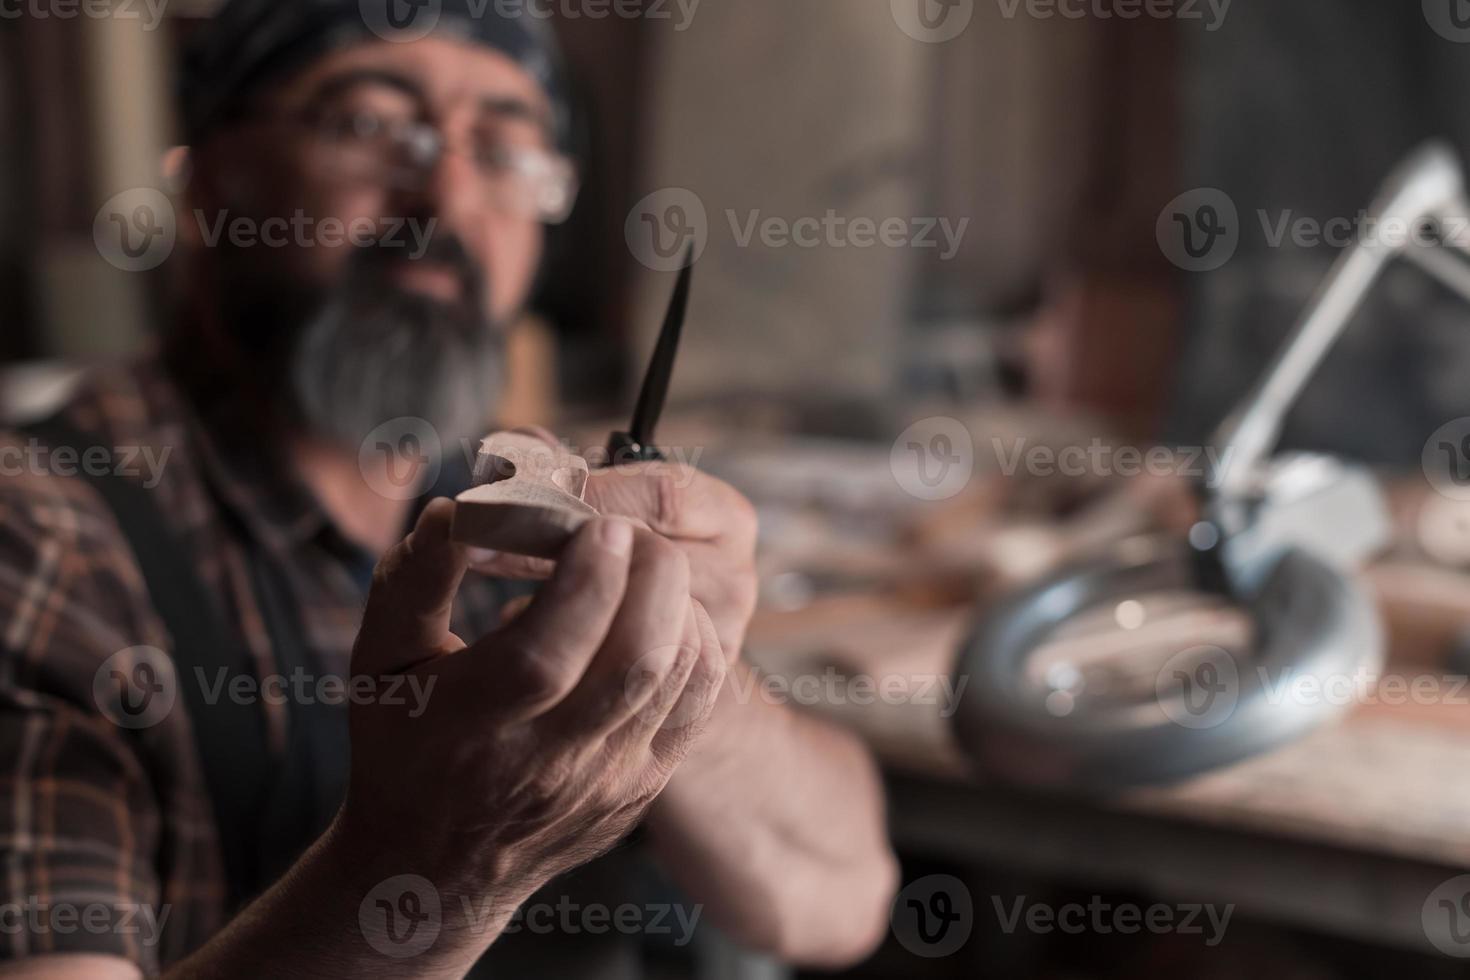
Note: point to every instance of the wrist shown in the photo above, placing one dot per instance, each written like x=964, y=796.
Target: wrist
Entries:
x=406, y=897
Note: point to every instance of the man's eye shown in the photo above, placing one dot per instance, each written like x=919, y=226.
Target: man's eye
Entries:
x=360, y=125
x=494, y=156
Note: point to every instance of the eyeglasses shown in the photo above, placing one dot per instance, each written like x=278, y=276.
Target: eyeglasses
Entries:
x=402, y=153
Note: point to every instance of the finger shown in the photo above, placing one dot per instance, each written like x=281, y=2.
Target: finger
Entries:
x=530, y=665
x=676, y=501
x=406, y=620
x=642, y=647
x=500, y=564
x=512, y=609
x=686, y=715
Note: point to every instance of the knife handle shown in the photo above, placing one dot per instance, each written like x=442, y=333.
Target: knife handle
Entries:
x=622, y=449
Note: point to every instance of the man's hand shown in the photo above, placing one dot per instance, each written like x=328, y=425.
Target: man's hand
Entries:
x=538, y=747
x=775, y=822
x=543, y=742
x=708, y=520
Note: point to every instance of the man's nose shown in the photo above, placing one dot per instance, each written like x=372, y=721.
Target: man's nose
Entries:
x=452, y=193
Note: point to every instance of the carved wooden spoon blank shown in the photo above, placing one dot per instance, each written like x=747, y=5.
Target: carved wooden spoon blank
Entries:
x=527, y=499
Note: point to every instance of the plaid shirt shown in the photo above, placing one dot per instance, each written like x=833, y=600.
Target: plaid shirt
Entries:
x=107, y=836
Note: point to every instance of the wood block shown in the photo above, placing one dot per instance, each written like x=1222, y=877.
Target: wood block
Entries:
x=527, y=499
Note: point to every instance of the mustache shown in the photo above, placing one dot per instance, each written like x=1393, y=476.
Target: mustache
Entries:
x=367, y=283
x=443, y=248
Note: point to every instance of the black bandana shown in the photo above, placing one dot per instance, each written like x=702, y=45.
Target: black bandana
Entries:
x=251, y=42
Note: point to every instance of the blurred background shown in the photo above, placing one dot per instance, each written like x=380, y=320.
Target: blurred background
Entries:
x=1034, y=156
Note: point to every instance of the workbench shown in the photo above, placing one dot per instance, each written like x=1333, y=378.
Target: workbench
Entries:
x=1347, y=832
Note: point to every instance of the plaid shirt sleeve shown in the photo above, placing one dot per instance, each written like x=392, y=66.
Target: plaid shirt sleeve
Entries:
x=90, y=833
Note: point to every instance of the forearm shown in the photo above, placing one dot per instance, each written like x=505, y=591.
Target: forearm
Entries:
x=318, y=921
x=775, y=824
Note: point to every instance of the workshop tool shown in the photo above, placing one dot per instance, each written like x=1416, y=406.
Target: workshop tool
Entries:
x=1279, y=539
x=636, y=445
x=527, y=498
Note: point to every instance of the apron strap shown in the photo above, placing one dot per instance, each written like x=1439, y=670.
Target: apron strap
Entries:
x=265, y=810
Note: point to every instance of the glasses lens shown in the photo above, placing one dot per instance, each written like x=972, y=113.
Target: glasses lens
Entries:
x=526, y=181
x=530, y=182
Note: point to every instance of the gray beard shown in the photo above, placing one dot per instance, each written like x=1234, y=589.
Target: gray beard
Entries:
x=357, y=365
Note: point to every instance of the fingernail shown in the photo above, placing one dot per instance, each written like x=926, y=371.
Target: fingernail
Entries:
x=481, y=556
x=616, y=536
